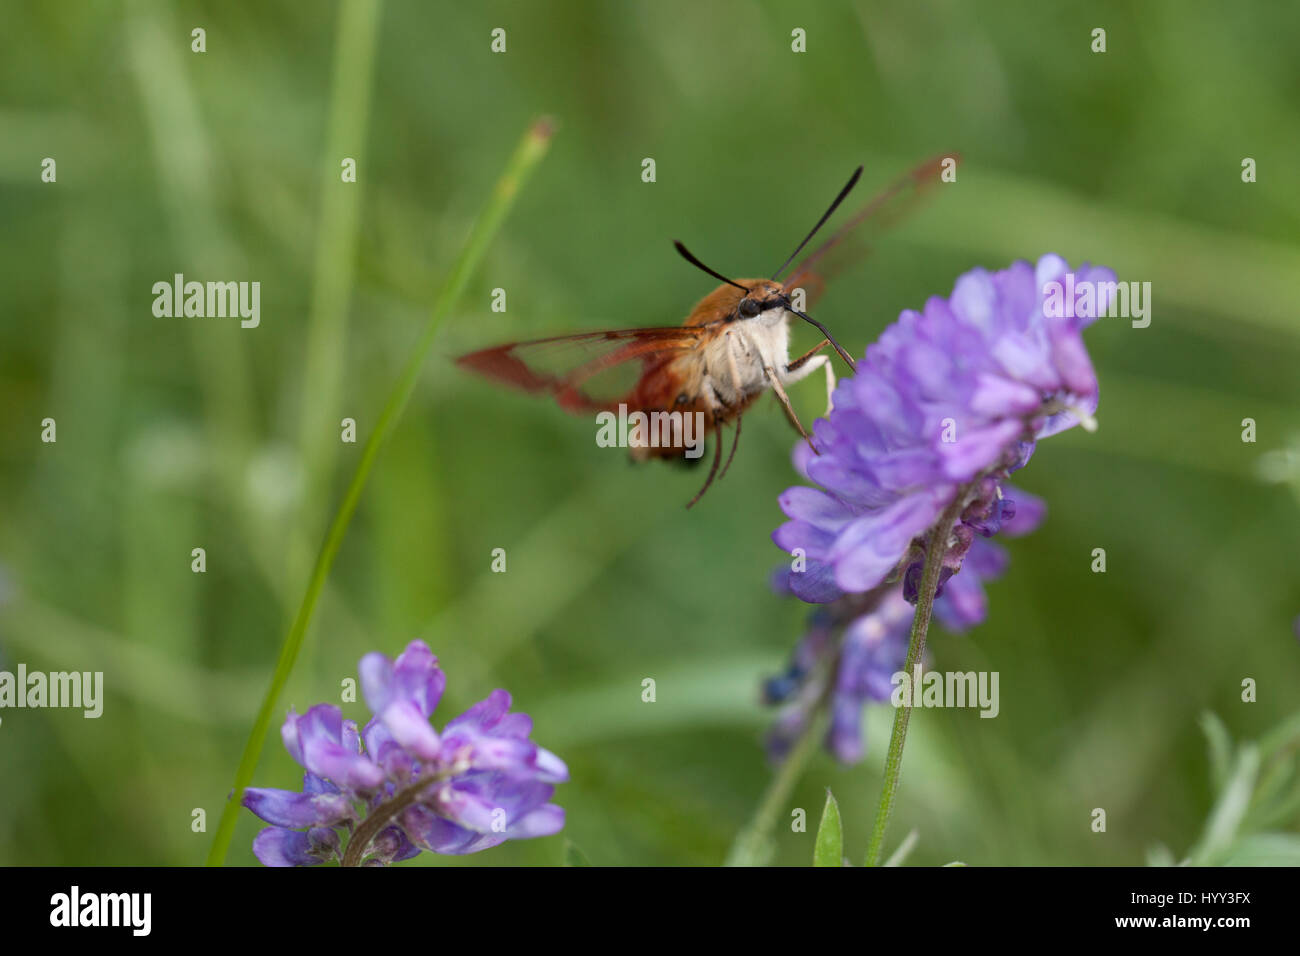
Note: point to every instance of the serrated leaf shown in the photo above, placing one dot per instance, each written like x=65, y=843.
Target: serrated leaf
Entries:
x=829, y=848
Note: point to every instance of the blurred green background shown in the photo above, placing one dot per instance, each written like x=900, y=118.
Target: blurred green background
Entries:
x=183, y=433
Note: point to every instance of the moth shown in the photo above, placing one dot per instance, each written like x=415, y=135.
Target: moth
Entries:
x=733, y=347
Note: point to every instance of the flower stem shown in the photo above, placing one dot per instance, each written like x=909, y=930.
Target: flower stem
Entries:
x=915, y=652
x=752, y=846
x=530, y=150
x=381, y=816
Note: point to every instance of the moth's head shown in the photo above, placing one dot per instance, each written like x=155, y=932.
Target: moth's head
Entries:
x=764, y=299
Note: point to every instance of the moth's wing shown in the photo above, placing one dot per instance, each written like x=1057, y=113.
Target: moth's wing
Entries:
x=852, y=241
x=591, y=371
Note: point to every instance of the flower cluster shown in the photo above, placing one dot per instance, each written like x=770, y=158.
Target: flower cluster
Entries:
x=397, y=786
x=946, y=405
x=941, y=411
x=857, y=643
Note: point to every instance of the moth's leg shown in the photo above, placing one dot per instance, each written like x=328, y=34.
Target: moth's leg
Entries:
x=735, y=441
x=808, y=363
x=733, y=342
x=789, y=409
x=802, y=359
x=752, y=349
x=713, y=401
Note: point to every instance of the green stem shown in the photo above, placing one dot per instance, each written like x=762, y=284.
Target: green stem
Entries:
x=530, y=150
x=752, y=845
x=332, y=273
x=915, y=652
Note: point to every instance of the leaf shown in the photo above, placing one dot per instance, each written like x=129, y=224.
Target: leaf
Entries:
x=1284, y=735
x=1160, y=855
x=1279, y=812
x=1225, y=819
x=1265, y=849
x=1274, y=782
x=829, y=849
x=751, y=848
x=574, y=856
x=1220, y=748
x=904, y=848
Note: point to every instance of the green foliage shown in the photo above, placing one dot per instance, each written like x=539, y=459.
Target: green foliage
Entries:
x=829, y=848
x=1258, y=789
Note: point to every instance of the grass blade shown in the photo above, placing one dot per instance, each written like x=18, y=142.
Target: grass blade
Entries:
x=1220, y=744
x=904, y=848
x=529, y=152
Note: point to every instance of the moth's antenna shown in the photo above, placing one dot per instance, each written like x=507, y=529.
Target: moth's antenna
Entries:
x=830, y=338
x=686, y=254
x=853, y=181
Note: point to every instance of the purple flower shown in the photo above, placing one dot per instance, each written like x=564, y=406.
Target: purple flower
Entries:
x=945, y=406
x=853, y=648
x=940, y=412
x=398, y=787
x=874, y=649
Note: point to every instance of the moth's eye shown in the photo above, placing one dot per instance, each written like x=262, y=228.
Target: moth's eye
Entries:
x=748, y=308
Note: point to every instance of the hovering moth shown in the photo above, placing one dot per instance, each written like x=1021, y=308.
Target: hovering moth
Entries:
x=733, y=346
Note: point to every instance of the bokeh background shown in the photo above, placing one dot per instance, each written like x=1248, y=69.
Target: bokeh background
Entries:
x=183, y=433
